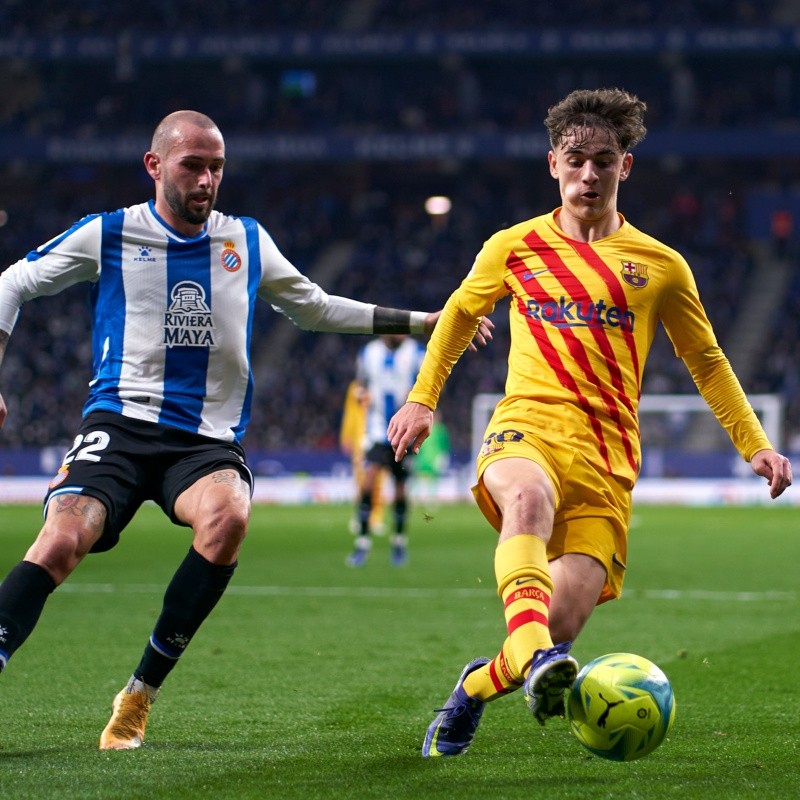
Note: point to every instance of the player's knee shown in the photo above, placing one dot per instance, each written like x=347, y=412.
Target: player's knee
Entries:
x=220, y=531
x=229, y=521
x=59, y=549
x=526, y=500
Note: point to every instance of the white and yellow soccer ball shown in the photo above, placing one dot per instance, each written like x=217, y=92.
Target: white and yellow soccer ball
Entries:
x=621, y=706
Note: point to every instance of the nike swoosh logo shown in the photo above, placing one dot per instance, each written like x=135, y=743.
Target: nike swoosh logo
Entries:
x=530, y=275
x=524, y=580
x=617, y=561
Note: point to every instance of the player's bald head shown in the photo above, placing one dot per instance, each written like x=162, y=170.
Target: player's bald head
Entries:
x=174, y=128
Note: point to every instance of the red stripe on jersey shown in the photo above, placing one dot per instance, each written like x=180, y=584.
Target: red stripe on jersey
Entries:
x=516, y=265
x=590, y=256
x=577, y=292
x=587, y=253
x=524, y=618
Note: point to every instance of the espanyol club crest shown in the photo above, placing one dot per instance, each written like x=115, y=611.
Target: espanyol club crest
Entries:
x=59, y=477
x=634, y=274
x=231, y=260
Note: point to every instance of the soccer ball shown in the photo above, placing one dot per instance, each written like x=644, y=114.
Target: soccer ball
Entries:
x=621, y=706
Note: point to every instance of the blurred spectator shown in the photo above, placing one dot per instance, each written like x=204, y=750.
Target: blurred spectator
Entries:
x=782, y=229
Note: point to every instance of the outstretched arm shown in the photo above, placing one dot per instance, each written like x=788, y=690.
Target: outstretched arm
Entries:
x=392, y=320
x=722, y=391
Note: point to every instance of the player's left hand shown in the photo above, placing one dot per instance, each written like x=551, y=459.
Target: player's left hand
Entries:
x=409, y=428
x=777, y=469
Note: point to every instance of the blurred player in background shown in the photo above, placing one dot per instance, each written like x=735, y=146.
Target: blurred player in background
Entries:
x=351, y=439
x=173, y=285
x=386, y=369
x=562, y=452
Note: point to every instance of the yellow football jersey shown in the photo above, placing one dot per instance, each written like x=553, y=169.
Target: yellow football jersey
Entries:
x=582, y=320
x=354, y=420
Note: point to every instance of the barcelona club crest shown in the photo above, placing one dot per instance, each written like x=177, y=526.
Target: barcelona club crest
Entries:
x=634, y=274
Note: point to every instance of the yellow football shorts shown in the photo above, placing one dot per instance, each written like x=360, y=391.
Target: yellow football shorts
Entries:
x=593, y=508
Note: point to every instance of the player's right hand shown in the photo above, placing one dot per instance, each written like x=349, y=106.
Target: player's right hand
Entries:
x=409, y=428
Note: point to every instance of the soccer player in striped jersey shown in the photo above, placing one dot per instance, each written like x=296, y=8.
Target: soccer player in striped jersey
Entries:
x=351, y=440
x=562, y=452
x=386, y=369
x=173, y=286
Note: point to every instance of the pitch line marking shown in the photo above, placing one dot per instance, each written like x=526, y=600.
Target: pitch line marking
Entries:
x=388, y=592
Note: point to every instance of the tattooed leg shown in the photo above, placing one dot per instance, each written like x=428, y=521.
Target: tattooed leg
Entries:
x=74, y=523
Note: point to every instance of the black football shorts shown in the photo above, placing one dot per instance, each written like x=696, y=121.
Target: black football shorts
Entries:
x=123, y=462
x=383, y=456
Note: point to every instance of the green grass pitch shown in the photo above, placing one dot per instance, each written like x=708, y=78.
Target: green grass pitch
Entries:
x=311, y=680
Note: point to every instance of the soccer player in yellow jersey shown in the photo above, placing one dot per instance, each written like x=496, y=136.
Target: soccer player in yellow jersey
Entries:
x=351, y=440
x=562, y=451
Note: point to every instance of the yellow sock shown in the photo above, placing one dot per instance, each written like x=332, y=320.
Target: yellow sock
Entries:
x=525, y=586
x=500, y=676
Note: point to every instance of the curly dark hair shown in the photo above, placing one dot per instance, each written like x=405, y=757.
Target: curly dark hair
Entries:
x=616, y=111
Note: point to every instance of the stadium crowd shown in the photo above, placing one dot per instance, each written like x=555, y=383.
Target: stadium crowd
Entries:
x=408, y=93
x=54, y=16
x=399, y=254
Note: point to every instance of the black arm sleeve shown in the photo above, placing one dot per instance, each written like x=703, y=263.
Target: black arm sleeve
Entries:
x=391, y=320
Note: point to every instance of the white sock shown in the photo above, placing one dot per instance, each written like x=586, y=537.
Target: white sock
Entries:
x=136, y=685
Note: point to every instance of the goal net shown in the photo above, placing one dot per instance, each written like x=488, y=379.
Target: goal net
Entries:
x=680, y=436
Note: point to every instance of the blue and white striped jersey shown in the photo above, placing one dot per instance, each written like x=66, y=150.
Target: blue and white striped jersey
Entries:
x=172, y=316
x=388, y=376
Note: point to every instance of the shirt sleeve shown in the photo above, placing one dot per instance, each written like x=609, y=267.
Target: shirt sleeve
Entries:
x=305, y=303
x=693, y=338
x=456, y=327
x=70, y=258
x=720, y=388
x=682, y=313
